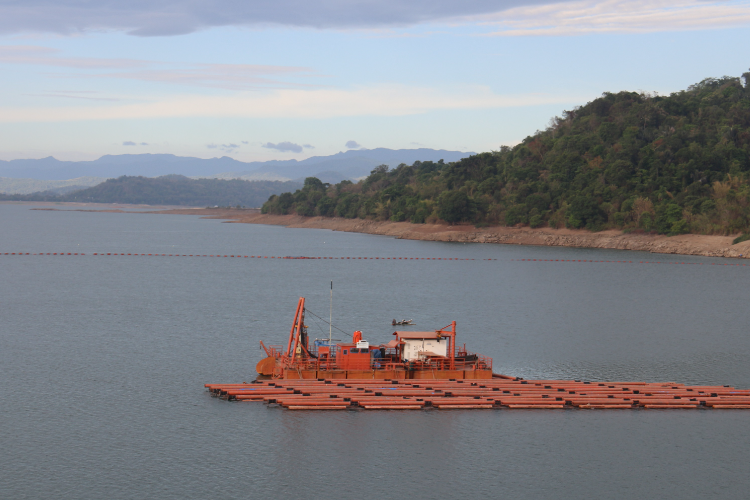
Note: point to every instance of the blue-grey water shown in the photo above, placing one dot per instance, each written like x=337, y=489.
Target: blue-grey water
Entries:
x=103, y=361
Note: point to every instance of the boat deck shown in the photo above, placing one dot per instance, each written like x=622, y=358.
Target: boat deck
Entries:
x=495, y=393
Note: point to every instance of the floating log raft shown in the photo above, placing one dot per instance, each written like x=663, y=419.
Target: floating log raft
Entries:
x=370, y=394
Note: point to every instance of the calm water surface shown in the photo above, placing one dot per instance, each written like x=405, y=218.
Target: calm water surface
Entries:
x=103, y=361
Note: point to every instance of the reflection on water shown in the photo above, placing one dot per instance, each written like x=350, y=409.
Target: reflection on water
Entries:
x=103, y=362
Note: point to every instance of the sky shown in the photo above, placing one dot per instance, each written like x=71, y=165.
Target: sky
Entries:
x=280, y=79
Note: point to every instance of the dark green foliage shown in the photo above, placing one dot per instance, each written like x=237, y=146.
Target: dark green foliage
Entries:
x=669, y=219
x=584, y=211
x=633, y=161
x=740, y=239
x=171, y=190
x=310, y=200
x=455, y=206
x=516, y=214
x=314, y=184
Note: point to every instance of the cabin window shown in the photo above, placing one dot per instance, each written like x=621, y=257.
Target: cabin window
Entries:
x=346, y=352
x=355, y=350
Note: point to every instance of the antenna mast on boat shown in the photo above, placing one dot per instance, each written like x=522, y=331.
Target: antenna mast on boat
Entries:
x=330, y=318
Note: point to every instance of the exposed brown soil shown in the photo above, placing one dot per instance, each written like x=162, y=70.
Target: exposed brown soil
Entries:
x=688, y=244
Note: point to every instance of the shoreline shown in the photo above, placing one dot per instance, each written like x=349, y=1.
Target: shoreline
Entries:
x=686, y=244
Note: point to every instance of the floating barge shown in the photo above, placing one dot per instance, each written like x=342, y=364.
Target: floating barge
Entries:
x=496, y=393
x=418, y=370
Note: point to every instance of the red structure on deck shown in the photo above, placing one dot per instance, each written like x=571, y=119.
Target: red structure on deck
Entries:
x=410, y=355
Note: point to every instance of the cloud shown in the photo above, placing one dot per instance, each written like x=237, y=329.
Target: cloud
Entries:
x=618, y=16
x=224, y=76
x=516, y=17
x=308, y=146
x=34, y=54
x=352, y=145
x=128, y=143
x=68, y=96
x=144, y=144
x=377, y=100
x=177, y=17
x=245, y=142
x=211, y=146
x=284, y=147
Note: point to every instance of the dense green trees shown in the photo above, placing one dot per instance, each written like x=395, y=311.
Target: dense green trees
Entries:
x=455, y=206
x=671, y=164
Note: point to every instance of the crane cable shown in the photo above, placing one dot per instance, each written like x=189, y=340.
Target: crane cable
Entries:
x=327, y=322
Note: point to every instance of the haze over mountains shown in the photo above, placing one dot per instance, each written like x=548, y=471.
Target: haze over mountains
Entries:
x=353, y=164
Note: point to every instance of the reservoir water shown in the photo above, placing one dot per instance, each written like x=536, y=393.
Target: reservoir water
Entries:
x=103, y=361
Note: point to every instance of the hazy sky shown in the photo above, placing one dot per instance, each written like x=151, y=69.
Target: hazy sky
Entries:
x=279, y=79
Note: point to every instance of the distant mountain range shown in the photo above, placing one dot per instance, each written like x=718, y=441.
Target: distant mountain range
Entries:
x=353, y=164
x=168, y=190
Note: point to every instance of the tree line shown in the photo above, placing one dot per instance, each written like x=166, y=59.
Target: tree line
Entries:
x=634, y=161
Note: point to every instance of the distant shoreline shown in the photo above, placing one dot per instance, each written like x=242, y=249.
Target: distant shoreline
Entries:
x=686, y=244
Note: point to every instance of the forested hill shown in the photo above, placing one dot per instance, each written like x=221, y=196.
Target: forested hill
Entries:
x=629, y=160
x=169, y=190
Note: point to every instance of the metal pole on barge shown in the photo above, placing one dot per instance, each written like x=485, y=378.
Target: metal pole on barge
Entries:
x=453, y=345
x=330, y=321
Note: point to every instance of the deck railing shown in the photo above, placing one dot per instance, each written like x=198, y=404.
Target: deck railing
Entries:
x=464, y=361
x=275, y=351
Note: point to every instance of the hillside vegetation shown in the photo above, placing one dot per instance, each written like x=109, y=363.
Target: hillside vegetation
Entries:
x=629, y=160
x=169, y=190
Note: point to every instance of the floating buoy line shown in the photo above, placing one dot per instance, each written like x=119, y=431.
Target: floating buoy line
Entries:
x=286, y=257
x=298, y=257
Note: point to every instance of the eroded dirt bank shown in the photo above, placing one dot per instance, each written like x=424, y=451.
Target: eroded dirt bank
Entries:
x=688, y=244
